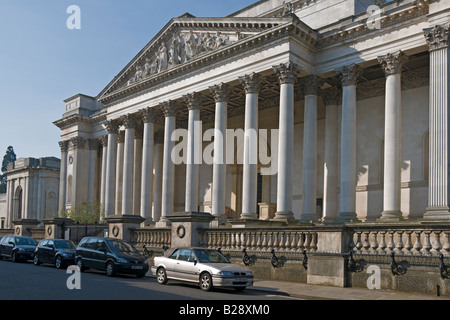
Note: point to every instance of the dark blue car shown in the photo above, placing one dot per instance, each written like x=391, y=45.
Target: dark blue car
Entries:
x=18, y=248
x=60, y=253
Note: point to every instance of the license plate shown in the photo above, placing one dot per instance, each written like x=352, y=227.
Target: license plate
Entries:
x=137, y=267
x=241, y=280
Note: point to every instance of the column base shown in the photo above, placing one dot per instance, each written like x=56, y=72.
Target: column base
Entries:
x=346, y=217
x=439, y=214
x=308, y=218
x=284, y=215
x=391, y=216
x=249, y=216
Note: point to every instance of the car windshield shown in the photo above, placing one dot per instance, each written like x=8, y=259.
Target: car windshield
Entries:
x=64, y=245
x=22, y=241
x=210, y=256
x=121, y=246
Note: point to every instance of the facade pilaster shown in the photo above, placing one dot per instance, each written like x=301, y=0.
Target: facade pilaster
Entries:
x=119, y=171
x=93, y=152
x=104, y=143
x=252, y=84
x=438, y=40
x=221, y=93
x=137, y=167
x=287, y=75
x=347, y=203
x=392, y=65
x=158, y=171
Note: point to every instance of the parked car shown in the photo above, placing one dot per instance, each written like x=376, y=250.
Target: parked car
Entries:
x=18, y=248
x=111, y=255
x=206, y=267
x=58, y=252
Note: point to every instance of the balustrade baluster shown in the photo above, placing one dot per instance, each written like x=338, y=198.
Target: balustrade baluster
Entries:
x=374, y=243
x=408, y=246
x=426, y=243
x=436, y=246
x=382, y=245
x=446, y=246
x=417, y=248
x=399, y=244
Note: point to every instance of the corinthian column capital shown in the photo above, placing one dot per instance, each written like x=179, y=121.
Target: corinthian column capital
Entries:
x=287, y=72
x=169, y=108
x=392, y=63
x=437, y=37
x=193, y=100
x=221, y=92
x=148, y=115
x=349, y=74
x=111, y=126
x=251, y=82
x=312, y=85
x=129, y=121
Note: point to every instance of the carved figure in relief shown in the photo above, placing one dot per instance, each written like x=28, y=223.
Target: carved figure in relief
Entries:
x=288, y=8
x=137, y=75
x=190, y=45
x=162, y=57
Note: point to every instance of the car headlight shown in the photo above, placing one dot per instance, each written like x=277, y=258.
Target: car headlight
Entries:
x=121, y=260
x=145, y=261
x=225, y=273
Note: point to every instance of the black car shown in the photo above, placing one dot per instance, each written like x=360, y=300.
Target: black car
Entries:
x=58, y=252
x=18, y=248
x=111, y=255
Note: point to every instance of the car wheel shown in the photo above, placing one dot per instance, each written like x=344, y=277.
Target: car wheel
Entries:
x=58, y=262
x=161, y=276
x=36, y=260
x=206, y=281
x=110, y=269
x=80, y=265
x=14, y=256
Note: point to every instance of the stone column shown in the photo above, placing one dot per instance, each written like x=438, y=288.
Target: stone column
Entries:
x=221, y=93
x=194, y=151
x=349, y=76
x=137, y=168
x=129, y=123
x=312, y=85
x=112, y=127
x=148, y=116
x=104, y=142
x=158, y=164
x=251, y=85
x=438, y=190
x=62, y=179
x=287, y=74
x=93, y=151
x=119, y=171
x=392, y=66
x=169, y=109
x=331, y=98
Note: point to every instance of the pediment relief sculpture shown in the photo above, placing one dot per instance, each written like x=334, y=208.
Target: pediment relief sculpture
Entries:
x=180, y=49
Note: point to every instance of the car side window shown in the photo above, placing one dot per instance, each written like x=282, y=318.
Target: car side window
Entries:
x=49, y=243
x=5, y=240
x=101, y=246
x=175, y=254
x=185, y=254
x=43, y=243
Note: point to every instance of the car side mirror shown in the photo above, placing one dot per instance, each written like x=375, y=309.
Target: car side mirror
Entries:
x=192, y=260
x=11, y=243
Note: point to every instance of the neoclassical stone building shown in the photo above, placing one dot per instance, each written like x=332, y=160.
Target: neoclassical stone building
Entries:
x=348, y=102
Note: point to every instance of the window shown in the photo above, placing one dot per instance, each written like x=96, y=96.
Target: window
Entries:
x=43, y=243
x=185, y=254
x=174, y=254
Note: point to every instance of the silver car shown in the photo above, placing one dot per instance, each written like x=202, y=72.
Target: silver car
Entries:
x=207, y=267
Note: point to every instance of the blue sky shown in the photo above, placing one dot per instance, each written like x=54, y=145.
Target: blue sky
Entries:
x=42, y=62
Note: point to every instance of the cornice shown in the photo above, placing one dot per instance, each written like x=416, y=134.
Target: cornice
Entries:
x=76, y=119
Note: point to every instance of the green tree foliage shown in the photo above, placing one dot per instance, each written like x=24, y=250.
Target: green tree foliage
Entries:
x=10, y=156
x=86, y=212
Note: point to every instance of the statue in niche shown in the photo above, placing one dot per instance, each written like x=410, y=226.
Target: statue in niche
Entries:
x=137, y=76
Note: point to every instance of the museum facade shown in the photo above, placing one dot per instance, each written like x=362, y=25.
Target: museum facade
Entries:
x=347, y=101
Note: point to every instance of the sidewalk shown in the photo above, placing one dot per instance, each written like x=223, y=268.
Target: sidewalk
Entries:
x=316, y=292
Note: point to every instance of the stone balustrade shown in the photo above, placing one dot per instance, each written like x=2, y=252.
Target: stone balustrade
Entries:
x=294, y=240
x=152, y=237
x=417, y=240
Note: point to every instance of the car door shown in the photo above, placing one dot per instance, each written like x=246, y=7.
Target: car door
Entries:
x=48, y=251
x=4, y=241
x=8, y=246
x=100, y=254
x=185, y=266
x=40, y=250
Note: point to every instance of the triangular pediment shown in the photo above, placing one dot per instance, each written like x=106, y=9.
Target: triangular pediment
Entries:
x=182, y=42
